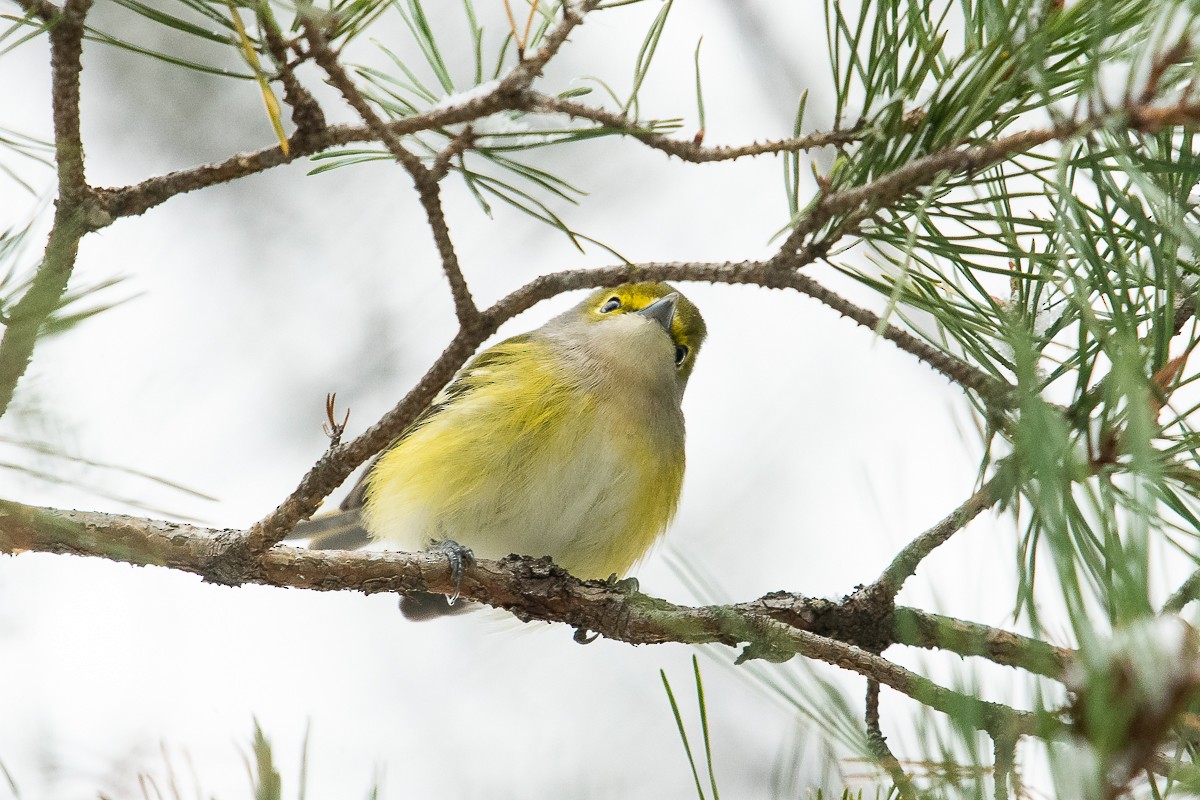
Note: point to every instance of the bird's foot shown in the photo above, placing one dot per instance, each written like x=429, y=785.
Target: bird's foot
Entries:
x=629, y=584
x=460, y=558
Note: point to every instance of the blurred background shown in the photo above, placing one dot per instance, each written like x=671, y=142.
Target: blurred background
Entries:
x=815, y=450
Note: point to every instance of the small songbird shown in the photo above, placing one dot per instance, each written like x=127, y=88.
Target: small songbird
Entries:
x=567, y=441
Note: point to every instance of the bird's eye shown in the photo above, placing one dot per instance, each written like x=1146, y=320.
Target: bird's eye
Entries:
x=612, y=305
x=681, y=352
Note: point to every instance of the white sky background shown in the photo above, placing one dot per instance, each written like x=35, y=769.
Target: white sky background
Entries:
x=814, y=450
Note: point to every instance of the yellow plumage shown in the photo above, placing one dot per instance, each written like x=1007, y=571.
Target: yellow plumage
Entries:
x=567, y=441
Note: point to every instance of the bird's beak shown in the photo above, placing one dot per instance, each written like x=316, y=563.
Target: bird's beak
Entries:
x=662, y=311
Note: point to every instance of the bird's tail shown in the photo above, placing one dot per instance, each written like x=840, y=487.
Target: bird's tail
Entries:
x=340, y=530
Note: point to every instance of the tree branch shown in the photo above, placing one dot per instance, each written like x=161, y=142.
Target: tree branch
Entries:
x=74, y=213
x=936, y=632
x=691, y=152
x=905, y=564
x=66, y=49
x=1188, y=591
x=336, y=465
x=1004, y=761
x=529, y=588
x=860, y=619
x=861, y=202
x=530, y=68
x=44, y=10
x=887, y=189
x=879, y=746
x=426, y=182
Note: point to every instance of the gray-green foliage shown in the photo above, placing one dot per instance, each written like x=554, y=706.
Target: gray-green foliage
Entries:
x=1067, y=271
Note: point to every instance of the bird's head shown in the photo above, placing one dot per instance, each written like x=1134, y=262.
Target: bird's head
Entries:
x=657, y=304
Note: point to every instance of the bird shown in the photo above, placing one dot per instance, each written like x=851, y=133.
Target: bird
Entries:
x=566, y=441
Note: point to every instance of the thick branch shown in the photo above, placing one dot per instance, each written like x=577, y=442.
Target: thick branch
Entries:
x=529, y=588
x=935, y=632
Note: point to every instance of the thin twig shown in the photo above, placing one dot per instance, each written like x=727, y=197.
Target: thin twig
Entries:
x=530, y=68
x=307, y=115
x=426, y=181
x=461, y=143
x=905, y=564
x=861, y=202
x=687, y=150
x=135, y=199
x=332, y=469
x=44, y=10
x=327, y=60
x=879, y=746
x=1188, y=591
x=430, y=192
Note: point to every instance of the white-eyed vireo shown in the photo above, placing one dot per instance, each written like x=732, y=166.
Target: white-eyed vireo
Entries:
x=566, y=441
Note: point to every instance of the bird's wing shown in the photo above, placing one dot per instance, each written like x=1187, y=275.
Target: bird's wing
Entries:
x=342, y=529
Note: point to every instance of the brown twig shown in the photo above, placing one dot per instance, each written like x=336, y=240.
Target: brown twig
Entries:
x=530, y=67
x=338, y=462
x=430, y=192
x=879, y=746
x=307, y=115
x=135, y=199
x=327, y=59
x=862, y=202
x=426, y=181
x=529, y=588
x=461, y=143
x=865, y=200
x=687, y=150
x=44, y=10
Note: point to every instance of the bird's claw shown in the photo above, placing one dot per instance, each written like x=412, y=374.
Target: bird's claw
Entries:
x=584, y=636
x=629, y=584
x=460, y=558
